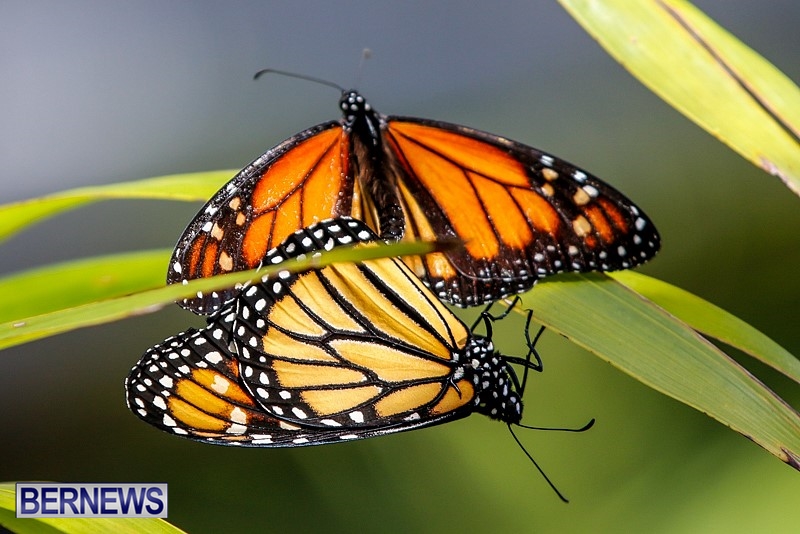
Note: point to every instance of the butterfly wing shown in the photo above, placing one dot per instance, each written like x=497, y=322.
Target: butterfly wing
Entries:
x=522, y=214
x=189, y=386
x=305, y=179
x=340, y=353
x=364, y=347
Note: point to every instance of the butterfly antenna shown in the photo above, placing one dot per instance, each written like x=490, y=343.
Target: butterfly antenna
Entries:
x=584, y=428
x=547, y=479
x=262, y=72
x=365, y=55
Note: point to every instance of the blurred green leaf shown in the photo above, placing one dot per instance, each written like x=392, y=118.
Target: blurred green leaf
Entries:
x=705, y=73
x=712, y=321
x=80, y=282
x=639, y=338
x=74, y=525
x=44, y=321
x=187, y=187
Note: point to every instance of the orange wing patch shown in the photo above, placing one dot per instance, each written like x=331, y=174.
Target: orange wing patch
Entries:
x=221, y=385
x=193, y=417
x=289, y=172
x=454, y=193
x=332, y=401
x=455, y=398
x=600, y=223
x=509, y=223
x=301, y=187
x=477, y=186
x=354, y=287
x=538, y=211
x=614, y=214
x=407, y=399
x=467, y=153
x=256, y=239
x=289, y=218
x=387, y=363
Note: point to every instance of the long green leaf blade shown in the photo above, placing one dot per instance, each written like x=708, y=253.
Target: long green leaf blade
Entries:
x=660, y=351
x=712, y=321
x=69, y=284
x=200, y=186
x=705, y=73
x=24, y=329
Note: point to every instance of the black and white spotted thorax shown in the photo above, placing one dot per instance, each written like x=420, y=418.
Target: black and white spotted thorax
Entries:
x=495, y=393
x=353, y=105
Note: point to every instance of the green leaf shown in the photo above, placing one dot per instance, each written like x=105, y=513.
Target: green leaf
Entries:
x=22, y=329
x=712, y=321
x=646, y=342
x=187, y=187
x=74, y=525
x=69, y=284
x=705, y=73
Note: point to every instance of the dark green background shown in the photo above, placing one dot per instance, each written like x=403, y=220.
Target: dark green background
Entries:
x=94, y=92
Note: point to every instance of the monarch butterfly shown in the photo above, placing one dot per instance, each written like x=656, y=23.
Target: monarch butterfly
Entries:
x=522, y=214
x=345, y=352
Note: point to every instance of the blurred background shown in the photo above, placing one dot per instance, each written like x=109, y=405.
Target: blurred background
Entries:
x=95, y=92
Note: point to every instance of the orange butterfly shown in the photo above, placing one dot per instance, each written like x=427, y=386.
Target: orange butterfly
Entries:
x=522, y=214
x=345, y=352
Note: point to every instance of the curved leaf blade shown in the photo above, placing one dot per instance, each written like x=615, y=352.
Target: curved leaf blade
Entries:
x=23, y=329
x=712, y=321
x=705, y=73
x=199, y=186
x=644, y=341
x=69, y=284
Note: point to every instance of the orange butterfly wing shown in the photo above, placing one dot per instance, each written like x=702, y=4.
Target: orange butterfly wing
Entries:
x=522, y=213
x=305, y=179
x=189, y=385
x=348, y=351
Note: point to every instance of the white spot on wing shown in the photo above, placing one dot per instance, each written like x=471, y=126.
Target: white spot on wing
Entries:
x=213, y=357
x=159, y=402
x=237, y=429
x=238, y=416
x=220, y=384
x=357, y=416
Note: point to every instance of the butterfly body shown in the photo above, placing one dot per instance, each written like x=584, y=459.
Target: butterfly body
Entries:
x=521, y=213
x=348, y=351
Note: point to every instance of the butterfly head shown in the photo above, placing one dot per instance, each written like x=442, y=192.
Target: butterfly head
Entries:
x=353, y=105
x=497, y=394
